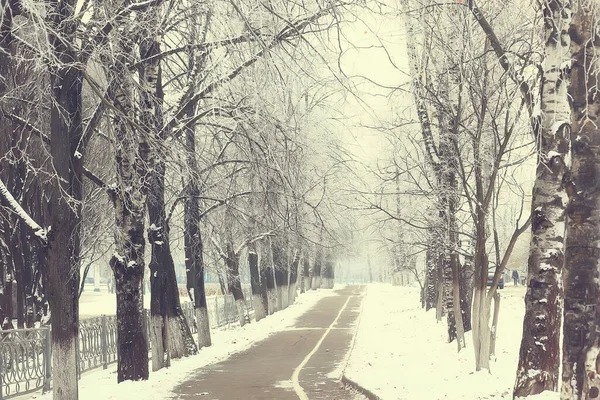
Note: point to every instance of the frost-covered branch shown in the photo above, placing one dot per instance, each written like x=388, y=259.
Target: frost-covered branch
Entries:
x=13, y=205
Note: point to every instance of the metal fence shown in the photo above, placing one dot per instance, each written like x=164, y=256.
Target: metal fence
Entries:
x=25, y=354
x=25, y=361
x=222, y=311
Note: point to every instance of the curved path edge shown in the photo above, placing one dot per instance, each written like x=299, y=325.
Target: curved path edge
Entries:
x=344, y=379
x=362, y=390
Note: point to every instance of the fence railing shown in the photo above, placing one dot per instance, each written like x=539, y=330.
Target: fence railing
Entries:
x=25, y=361
x=26, y=354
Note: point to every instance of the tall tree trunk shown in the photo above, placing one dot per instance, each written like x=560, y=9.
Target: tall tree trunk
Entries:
x=170, y=333
x=539, y=353
x=127, y=262
x=193, y=245
x=66, y=195
x=581, y=340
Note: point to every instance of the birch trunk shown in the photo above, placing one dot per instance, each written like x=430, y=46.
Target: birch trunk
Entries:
x=539, y=354
x=581, y=341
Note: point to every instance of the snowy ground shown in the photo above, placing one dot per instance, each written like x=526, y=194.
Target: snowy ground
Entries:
x=102, y=384
x=401, y=352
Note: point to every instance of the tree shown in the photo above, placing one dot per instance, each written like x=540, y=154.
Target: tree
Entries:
x=580, y=352
x=539, y=353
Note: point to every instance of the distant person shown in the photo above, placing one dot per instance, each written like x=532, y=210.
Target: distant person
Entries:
x=515, y=276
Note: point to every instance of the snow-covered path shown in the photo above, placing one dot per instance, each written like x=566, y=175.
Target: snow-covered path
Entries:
x=101, y=384
x=401, y=352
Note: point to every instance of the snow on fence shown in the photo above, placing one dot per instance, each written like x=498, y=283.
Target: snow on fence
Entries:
x=25, y=354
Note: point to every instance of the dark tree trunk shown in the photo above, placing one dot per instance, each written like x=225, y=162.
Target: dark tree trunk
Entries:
x=233, y=281
x=281, y=272
x=466, y=291
x=306, y=272
x=66, y=195
x=431, y=284
x=194, y=257
x=132, y=345
x=266, y=272
x=170, y=333
x=128, y=197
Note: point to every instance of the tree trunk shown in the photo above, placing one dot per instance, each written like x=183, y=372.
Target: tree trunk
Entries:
x=466, y=293
x=268, y=281
x=316, y=278
x=127, y=262
x=481, y=304
x=494, y=329
x=430, y=280
x=132, y=345
x=581, y=339
x=66, y=195
x=306, y=272
x=168, y=323
x=294, y=276
x=234, y=283
x=193, y=246
x=539, y=353
x=281, y=276
x=255, y=284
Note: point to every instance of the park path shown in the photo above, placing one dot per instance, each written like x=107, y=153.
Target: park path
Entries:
x=301, y=362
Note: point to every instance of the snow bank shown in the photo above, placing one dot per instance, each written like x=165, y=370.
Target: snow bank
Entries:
x=401, y=352
x=102, y=384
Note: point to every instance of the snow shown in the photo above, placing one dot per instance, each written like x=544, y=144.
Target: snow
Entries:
x=101, y=384
x=402, y=353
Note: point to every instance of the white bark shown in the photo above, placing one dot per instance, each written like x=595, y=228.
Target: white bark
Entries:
x=241, y=309
x=259, y=308
x=64, y=363
x=291, y=293
x=204, y=339
x=279, y=298
x=494, y=329
x=156, y=338
x=272, y=300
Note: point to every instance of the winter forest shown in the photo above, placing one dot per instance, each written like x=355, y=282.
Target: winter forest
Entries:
x=282, y=199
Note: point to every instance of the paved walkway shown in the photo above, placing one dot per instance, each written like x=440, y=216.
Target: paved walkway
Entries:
x=298, y=363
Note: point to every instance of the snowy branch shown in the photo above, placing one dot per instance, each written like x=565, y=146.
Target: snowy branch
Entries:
x=12, y=204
